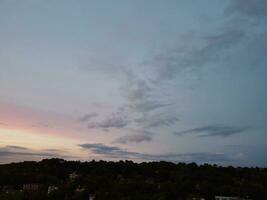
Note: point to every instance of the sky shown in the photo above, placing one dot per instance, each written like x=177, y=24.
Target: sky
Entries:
x=176, y=80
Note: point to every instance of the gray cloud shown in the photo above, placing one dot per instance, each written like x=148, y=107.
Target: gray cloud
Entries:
x=16, y=147
x=87, y=117
x=116, y=152
x=140, y=96
x=153, y=121
x=51, y=150
x=41, y=125
x=255, y=8
x=197, y=51
x=214, y=130
x=99, y=148
x=3, y=124
x=147, y=95
x=133, y=138
x=11, y=150
x=13, y=153
x=144, y=100
x=192, y=56
x=115, y=120
x=135, y=89
x=148, y=105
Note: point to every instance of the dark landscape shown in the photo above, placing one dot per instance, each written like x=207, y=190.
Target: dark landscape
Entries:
x=133, y=99
x=62, y=180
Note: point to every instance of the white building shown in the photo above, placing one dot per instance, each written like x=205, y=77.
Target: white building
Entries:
x=31, y=187
x=91, y=197
x=73, y=176
x=51, y=189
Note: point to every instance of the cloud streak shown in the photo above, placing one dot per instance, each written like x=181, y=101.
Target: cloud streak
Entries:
x=256, y=8
x=3, y=124
x=214, y=130
x=16, y=147
x=115, y=120
x=154, y=121
x=87, y=117
x=14, y=151
x=119, y=153
x=137, y=138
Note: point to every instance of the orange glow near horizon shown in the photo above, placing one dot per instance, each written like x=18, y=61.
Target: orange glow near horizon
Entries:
x=16, y=137
x=30, y=120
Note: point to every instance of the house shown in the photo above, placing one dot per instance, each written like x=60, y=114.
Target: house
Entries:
x=8, y=189
x=195, y=197
x=91, y=197
x=31, y=187
x=73, y=176
x=51, y=188
x=79, y=189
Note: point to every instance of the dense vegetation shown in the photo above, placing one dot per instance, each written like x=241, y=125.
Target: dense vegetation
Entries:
x=128, y=180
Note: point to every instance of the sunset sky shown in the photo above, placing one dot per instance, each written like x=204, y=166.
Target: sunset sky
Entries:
x=174, y=80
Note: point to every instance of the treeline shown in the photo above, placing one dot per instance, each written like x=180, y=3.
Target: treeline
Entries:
x=128, y=180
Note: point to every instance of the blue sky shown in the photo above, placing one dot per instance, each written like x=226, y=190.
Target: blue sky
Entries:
x=143, y=80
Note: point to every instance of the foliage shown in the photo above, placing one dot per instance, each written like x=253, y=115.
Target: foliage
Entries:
x=128, y=180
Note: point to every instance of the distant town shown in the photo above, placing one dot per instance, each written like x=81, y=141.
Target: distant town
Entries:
x=74, y=180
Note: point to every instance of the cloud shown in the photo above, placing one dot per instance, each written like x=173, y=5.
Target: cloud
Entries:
x=41, y=125
x=148, y=105
x=255, y=8
x=154, y=121
x=99, y=148
x=199, y=51
x=214, y=130
x=119, y=153
x=87, y=117
x=140, y=95
x=3, y=124
x=145, y=103
x=115, y=120
x=135, y=89
x=148, y=88
x=14, y=153
x=18, y=151
x=137, y=138
x=16, y=147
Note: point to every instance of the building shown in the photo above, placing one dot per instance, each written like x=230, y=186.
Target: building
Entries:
x=79, y=189
x=31, y=187
x=8, y=189
x=73, y=176
x=91, y=197
x=51, y=188
x=195, y=197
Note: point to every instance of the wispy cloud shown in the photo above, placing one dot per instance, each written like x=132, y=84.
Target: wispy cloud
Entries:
x=214, y=130
x=16, y=147
x=3, y=124
x=145, y=104
x=159, y=120
x=11, y=150
x=116, y=152
x=140, y=95
x=115, y=120
x=201, y=50
x=256, y=8
x=137, y=138
x=87, y=117
x=41, y=125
